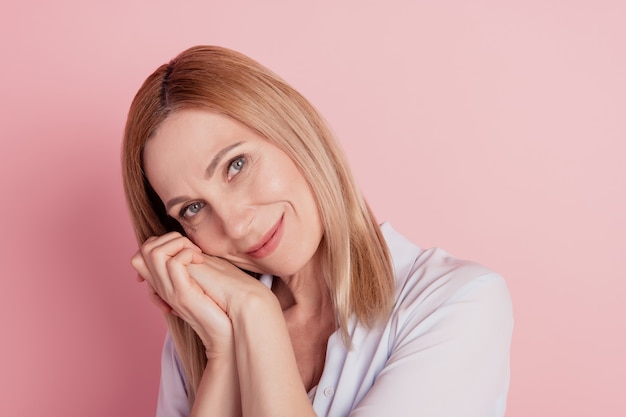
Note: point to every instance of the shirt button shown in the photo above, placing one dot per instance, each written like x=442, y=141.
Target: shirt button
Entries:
x=329, y=391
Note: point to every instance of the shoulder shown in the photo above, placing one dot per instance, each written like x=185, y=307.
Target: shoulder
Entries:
x=427, y=280
x=446, y=345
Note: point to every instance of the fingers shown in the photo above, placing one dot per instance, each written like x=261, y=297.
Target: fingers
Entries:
x=156, y=241
x=158, y=301
x=183, y=287
x=161, y=261
x=166, y=246
x=150, y=259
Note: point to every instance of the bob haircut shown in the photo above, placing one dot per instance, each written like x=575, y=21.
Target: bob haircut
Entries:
x=355, y=259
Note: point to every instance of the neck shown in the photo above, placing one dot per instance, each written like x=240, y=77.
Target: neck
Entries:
x=305, y=291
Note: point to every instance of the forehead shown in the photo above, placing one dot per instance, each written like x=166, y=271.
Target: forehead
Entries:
x=193, y=127
x=187, y=135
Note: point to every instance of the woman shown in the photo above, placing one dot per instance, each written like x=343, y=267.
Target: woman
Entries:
x=283, y=294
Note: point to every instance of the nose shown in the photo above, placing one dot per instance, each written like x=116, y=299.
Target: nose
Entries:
x=235, y=218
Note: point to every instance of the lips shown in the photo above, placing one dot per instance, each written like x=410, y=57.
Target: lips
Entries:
x=268, y=242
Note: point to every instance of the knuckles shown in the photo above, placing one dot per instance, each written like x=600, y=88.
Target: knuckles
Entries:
x=136, y=261
x=155, y=246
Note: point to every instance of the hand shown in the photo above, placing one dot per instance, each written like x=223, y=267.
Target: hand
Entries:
x=154, y=297
x=162, y=262
x=232, y=289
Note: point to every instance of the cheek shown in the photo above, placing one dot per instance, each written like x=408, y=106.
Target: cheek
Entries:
x=286, y=177
x=276, y=185
x=273, y=184
x=204, y=238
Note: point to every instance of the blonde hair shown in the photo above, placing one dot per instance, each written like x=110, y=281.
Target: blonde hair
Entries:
x=355, y=258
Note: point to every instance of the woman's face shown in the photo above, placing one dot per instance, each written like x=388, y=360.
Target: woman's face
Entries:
x=236, y=195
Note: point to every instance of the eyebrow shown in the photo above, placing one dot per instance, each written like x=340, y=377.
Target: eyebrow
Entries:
x=216, y=159
x=210, y=170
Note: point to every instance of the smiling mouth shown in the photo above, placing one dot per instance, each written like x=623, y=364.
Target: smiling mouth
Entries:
x=268, y=242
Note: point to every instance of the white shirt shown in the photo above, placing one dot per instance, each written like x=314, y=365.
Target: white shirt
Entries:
x=443, y=352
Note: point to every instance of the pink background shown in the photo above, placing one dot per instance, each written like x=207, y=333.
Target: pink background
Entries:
x=495, y=130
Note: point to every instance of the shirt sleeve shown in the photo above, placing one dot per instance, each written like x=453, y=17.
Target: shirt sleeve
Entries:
x=173, y=400
x=453, y=361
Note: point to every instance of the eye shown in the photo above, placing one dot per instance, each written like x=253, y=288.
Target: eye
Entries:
x=235, y=166
x=191, y=210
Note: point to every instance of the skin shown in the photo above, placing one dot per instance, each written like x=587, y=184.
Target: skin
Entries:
x=243, y=204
